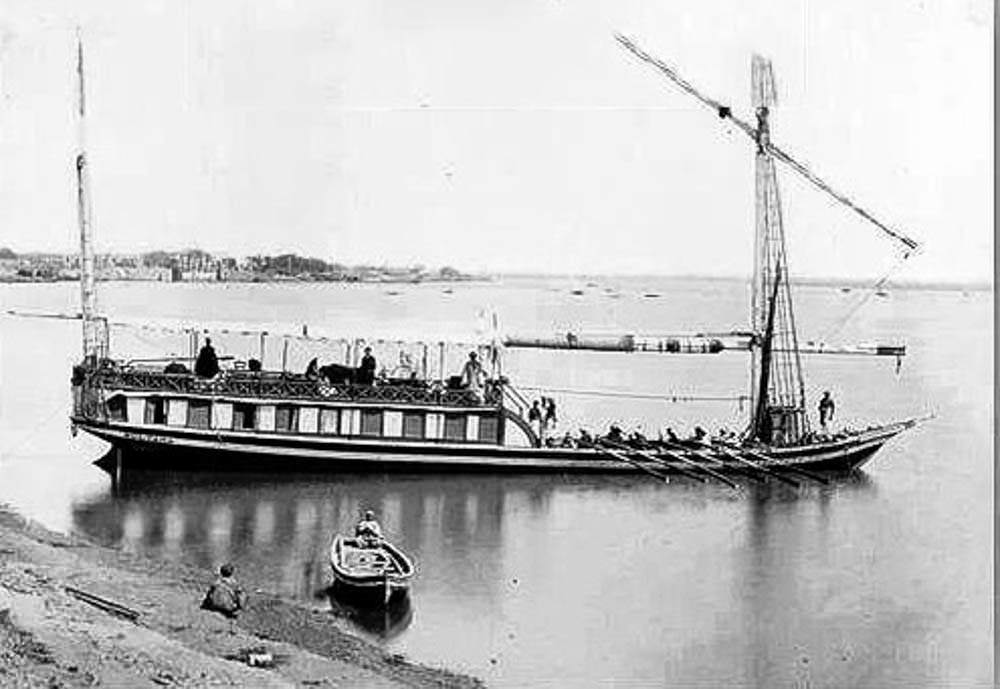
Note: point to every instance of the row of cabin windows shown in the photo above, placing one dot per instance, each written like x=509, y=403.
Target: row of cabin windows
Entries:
x=330, y=421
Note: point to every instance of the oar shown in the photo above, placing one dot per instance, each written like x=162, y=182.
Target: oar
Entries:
x=622, y=458
x=787, y=467
x=659, y=460
x=758, y=467
x=711, y=472
x=678, y=448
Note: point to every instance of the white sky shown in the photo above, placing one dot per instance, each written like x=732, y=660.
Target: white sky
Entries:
x=500, y=134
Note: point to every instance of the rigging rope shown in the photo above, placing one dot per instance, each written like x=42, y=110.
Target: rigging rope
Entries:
x=870, y=292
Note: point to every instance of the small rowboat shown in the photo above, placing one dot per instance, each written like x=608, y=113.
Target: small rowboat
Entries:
x=370, y=572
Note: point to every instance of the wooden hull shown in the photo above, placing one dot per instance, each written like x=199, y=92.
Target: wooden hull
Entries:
x=360, y=583
x=221, y=450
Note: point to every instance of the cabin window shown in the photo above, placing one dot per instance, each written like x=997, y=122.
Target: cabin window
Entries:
x=156, y=411
x=414, y=425
x=116, y=408
x=286, y=419
x=371, y=422
x=329, y=421
x=454, y=427
x=199, y=413
x=488, y=429
x=244, y=417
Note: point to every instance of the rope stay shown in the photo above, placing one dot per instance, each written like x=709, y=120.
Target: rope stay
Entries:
x=869, y=292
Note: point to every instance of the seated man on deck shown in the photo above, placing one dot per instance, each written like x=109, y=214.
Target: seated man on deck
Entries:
x=368, y=532
x=473, y=376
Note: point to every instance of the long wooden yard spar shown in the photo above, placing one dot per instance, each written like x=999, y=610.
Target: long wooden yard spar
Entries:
x=786, y=389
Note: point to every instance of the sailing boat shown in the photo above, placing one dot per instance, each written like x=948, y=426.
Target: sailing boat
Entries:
x=251, y=418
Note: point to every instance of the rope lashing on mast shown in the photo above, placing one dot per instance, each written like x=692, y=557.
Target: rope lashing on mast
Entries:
x=725, y=112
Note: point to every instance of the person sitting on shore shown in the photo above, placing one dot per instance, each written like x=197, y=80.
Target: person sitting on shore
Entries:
x=368, y=532
x=226, y=596
x=207, y=364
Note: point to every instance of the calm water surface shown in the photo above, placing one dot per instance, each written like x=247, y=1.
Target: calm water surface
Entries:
x=881, y=579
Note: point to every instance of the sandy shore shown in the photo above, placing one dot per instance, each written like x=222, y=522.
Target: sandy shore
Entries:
x=49, y=638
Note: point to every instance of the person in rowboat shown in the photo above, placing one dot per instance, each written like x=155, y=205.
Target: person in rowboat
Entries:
x=368, y=532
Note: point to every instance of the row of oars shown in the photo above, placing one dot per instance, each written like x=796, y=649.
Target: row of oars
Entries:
x=659, y=458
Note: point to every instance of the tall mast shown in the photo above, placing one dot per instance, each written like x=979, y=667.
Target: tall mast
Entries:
x=88, y=295
x=777, y=393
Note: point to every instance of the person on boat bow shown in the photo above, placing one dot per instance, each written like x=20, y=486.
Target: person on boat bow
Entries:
x=826, y=408
x=368, y=532
x=207, y=364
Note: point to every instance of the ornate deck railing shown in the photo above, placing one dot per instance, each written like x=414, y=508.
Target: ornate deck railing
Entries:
x=286, y=386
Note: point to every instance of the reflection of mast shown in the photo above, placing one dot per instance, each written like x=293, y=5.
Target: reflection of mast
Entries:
x=93, y=345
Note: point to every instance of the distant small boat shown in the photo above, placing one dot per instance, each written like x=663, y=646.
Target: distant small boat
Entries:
x=591, y=284
x=881, y=293
x=373, y=573
x=392, y=293
x=448, y=291
x=577, y=292
x=651, y=295
x=845, y=290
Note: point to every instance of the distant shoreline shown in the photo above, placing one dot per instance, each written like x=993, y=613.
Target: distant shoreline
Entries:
x=852, y=283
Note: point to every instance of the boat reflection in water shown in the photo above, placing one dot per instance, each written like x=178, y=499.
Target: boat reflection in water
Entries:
x=384, y=622
x=495, y=552
x=277, y=528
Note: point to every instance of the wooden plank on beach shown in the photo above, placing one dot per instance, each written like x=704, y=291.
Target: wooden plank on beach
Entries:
x=105, y=604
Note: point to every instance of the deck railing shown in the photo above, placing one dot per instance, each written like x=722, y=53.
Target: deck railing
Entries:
x=280, y=386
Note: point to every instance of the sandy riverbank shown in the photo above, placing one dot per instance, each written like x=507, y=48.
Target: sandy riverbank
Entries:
x=48, y=638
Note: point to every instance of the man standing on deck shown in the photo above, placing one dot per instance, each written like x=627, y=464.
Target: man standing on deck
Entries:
x=366, y=373
x=826, y=408
x=207, y=364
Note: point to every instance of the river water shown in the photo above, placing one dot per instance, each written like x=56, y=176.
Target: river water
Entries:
x=880, y=579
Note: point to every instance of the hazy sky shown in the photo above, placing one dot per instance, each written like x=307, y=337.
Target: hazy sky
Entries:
x=506, y=135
